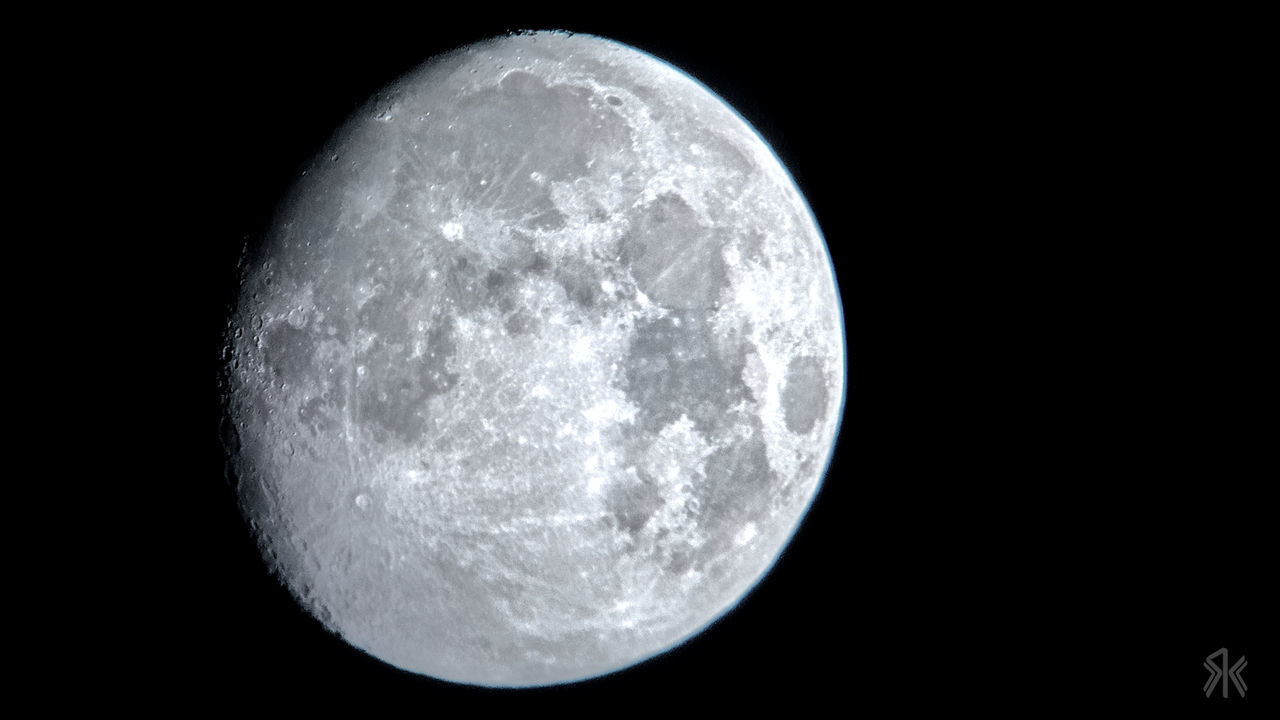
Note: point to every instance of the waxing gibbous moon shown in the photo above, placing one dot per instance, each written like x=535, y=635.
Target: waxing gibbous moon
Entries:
x=538, y=368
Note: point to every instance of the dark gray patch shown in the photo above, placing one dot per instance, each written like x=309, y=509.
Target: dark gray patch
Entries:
x=735, y=474
x=655, y=101
x=555, y=131
x=736, y=488
x=394, y=397
x=501, y=290
x=330, y=300
x=465, y=284
x=731, y=161
x=675, y=366
x=433, y=373
x=322, y=412
x=312, y=411
x=520, y=323
x=498, y=283
x=382, y=315
x=288, y=352
x=583, y=287
x=517, y=252
x=613, y=100
x=632, y=503
x=750, y=245
x=805, y=395
x=806, y=466
x=679, y=563
x=675, y=260
x=539, y=264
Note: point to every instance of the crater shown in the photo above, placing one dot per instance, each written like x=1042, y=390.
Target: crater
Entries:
x=675, y=260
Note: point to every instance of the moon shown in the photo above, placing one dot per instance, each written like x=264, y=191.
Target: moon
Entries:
x=538, y=367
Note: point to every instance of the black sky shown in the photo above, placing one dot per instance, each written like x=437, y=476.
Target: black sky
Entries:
x=1047, y=487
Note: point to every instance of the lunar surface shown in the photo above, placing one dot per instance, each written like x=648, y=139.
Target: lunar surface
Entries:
x=538, y=368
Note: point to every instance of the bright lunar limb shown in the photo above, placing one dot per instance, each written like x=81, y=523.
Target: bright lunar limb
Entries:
x=538, y=368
